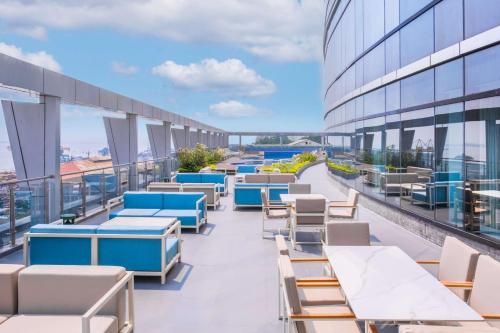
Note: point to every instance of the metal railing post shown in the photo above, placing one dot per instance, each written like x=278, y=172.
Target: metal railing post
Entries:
x=12, y=215
x=103, y=189
x=61, y=197
x=45, y=201
x=83, y=192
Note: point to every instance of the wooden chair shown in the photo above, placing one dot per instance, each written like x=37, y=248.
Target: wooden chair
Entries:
x=272, y=211
x=344, y=209
x=307, y=215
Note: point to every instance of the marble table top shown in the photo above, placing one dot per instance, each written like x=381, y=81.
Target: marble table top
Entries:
x=488, y=193
x=382, y=283
x=291, y=198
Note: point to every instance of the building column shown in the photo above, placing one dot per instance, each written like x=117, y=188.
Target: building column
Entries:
x=187, y=135
x=281, y=141
x=34, y=131
x=239, y=146
x=199, y=136
x=123, y=144
x=209, y=139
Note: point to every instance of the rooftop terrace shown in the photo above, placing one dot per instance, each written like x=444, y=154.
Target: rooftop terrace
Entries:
x=227, y=281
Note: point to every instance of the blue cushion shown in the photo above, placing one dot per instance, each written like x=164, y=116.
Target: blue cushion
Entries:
x=185, y=216
x=246, y=169
x=186, y=200
x=131, y=230
x=251, y=185
x=135, y=254
x=244, y=196
x=217, y=178
x=133, y=212
x=188, y=178
x=274, y=192
x=59, y=250
x=64, y=229
x=221, y=189
x=420, y=196
x=143, y=200
x=445, y=176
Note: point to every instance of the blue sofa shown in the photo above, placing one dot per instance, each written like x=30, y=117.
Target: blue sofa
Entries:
x=439, y=191
x=245, y=168
x=190, y=208
x=136, y=248
x=211, y=178
x=248, y=195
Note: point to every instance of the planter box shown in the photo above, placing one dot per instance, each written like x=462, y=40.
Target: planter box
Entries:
x=343, y=174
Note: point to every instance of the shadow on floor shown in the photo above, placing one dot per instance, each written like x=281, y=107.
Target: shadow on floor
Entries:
x=175, y=279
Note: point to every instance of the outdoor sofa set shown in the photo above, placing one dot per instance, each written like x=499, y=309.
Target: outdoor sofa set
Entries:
x=149, y=249
x=220, y=179
x=210, y=190
x=190, y=208
x=66, y=299
x=248, y=193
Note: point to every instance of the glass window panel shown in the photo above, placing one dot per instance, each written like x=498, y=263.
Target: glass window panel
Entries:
x=359, y=26
x=373, y=22
x=350, y=110
x=350, y=79
x=417, y=89
x=392, y=97
x=391, y=14
x=416, y=38
x=448, y=20
x=392, y=53
x=359, y=107
x=392, y=151
x=482, y=70
x=374, y=102
x=481, y=16
x=359, y=73
x=449, y=80
x=374, y=64
x=409, y=7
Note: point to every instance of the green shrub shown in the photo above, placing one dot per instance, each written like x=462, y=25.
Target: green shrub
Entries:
x=195, y=159
x=307, y=157
x=342, y=167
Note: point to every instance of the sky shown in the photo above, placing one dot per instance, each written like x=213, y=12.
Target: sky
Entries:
x=234, y=64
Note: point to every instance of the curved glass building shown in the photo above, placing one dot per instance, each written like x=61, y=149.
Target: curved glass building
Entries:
x=412, y=102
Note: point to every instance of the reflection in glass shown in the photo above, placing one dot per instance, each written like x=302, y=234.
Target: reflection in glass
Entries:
x=448, y=21
x=413, y=45
x=482, y=70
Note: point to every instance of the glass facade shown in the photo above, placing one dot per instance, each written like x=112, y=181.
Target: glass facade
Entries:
x=428, y=143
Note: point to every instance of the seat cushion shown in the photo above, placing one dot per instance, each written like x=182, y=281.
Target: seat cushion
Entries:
x=443, y=329
x=63, y=229
x=187, y=217
x=340, y=212
x=134, y=212
x=8, y=288
x=321, y=296
x=278, y=213
x=344, y=326
x=57, y=324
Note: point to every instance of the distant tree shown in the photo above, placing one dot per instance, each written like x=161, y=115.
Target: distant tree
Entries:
x=271, y=140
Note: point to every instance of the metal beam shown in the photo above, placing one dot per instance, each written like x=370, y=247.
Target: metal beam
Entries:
x=279, y=133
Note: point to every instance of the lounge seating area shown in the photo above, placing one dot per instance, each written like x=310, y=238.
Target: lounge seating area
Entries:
x=203, y=178
x=210, y=190
x=248, y=193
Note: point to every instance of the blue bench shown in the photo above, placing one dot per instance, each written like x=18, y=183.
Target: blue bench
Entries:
x=440, y=190
x=246, y=168
x=204, y=178
x=190, y=208
x=248, y=195
x=147, y=250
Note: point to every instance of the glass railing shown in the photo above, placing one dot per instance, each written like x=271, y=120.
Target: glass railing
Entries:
x=24, y=203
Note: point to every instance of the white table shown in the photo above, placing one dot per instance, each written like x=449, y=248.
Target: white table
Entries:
x=382, y=283
x=141, y=221
x=488, y=193
x=291, y=198
x=492, y=195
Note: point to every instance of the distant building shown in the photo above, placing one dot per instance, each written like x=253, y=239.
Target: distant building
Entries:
x=304, y=142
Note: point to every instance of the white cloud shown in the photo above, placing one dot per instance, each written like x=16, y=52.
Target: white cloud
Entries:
x=123, y=69
x=40, y=58
x=36, y=32
x=279, y=30
x=235, y=109
x=229, y=77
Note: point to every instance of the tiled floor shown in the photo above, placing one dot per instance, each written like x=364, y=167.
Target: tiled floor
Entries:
x=227, y=281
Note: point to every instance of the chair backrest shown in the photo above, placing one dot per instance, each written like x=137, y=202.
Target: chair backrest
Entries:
x=290, y=290
x=256, y=178
x=347, y=234
x=310, y=211
x=182, y=200
x=296, y=188
x=353, y=197
x=458, y=263
x=208, y=189
x=69, y=290
x=485, y=295
x=164, y=187
x=142, y=200
x=283, y=178
x=281, y=245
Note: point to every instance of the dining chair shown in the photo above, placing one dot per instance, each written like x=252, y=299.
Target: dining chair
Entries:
x=312, y=319
x=457, y=265
x=297, y=188
x=272, y=211
x=484, y=299
x=346, y=209
x=307, y=215
x=339, y=233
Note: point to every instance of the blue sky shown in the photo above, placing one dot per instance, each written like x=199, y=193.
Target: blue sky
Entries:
x=238, y=65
